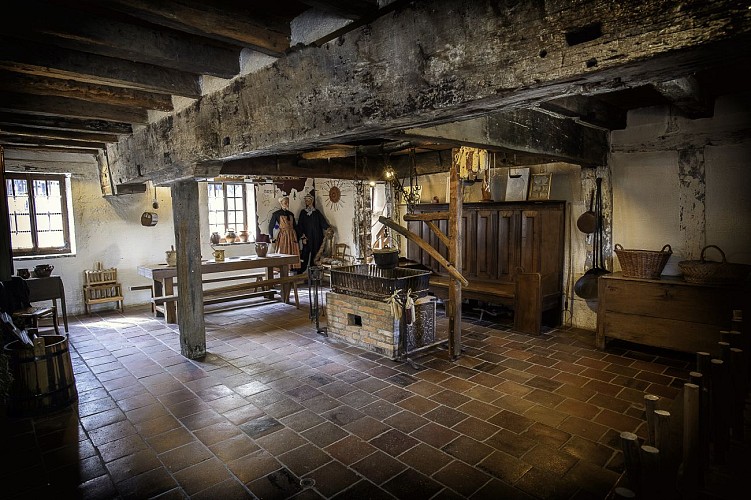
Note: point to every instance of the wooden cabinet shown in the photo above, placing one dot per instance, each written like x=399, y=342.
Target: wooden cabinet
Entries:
x=498, y=239
x=666, y=312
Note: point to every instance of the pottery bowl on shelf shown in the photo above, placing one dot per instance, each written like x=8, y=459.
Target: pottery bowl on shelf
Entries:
x=43, y=270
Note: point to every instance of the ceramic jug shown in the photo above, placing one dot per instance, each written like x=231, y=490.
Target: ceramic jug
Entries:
x=215, y=238
x=262, y=248
x=171, y=257
x=24, y=273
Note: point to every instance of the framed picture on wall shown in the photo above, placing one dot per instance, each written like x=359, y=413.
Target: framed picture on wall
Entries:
x=539, y=186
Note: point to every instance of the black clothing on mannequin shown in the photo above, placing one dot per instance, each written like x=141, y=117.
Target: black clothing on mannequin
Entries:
x=310, y=226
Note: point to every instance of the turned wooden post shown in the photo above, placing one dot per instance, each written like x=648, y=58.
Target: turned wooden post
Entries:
x=724, y=351
x=738, y=382
x=630, y=448
x=662, y=433
x=650, y=403
x=720, y=403
x=649, y=458
x=732, y=337
x=702, y=383
x=702, y=362
x=691, y=471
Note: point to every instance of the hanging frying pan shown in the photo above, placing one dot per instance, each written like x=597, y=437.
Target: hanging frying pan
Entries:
x=586, y=286
x=587, y=222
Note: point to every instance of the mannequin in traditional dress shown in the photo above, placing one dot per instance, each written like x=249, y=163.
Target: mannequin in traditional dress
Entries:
x=283, y=232
x=310, y=226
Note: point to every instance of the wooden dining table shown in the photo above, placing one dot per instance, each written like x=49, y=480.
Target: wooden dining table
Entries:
x=163, y=277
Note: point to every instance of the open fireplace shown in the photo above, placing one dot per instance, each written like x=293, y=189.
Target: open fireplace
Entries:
x=366, y=308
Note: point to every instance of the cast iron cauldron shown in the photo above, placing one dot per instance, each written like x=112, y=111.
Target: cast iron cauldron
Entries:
x=386, y=258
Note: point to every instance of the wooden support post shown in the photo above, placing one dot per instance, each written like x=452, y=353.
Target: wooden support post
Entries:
x=733, y=338
x=662, y=436
x=621, y=493
x=630, y=448
x=456, y=237
x=650, y=403
x=690, y=471
x=736, y=322
x=696, y=378
x=738, y=382
x=724, y=351
x=719, y=409
x=649, y=458
x=702, y=362
x=185, y=207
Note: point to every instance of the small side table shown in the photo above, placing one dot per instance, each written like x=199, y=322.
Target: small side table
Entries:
x=50, y=288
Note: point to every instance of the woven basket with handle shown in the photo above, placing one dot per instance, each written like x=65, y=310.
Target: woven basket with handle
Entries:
x=708, y=272
x=643, y=263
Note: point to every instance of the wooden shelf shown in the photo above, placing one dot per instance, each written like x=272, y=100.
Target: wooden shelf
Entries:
x=101, y=286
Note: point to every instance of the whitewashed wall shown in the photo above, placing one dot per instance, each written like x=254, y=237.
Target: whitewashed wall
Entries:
x=107, y=229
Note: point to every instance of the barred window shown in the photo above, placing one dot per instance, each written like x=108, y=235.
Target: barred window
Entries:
x=38, y=213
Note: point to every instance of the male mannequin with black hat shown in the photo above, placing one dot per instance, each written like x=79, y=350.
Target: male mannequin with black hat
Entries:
x=310, y=226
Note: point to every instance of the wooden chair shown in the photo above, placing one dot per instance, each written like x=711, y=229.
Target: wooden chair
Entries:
x=28, y=318
x=14, y=300
x=339, y=257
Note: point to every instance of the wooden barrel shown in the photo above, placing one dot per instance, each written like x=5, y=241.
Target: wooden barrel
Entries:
x=43, y=378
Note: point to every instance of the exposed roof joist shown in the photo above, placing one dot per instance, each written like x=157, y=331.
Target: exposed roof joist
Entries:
x=388, y=76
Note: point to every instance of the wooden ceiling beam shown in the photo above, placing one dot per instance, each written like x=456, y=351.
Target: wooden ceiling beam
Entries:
x=349, y=9
x=57, y=134
x=388, y=76
x=17, y=141
x=525, y=132
x=61, y=106
x=75, y=29
x=247, y=27
x=292, y=165
x=588, y=109
x=64, y=123
x=47, y=60
x=687, y=96
x=105, y=94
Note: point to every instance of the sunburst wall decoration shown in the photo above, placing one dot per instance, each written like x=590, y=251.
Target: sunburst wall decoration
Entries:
x=334, y=195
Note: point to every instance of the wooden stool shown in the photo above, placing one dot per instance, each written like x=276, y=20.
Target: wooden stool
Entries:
x=30, y=316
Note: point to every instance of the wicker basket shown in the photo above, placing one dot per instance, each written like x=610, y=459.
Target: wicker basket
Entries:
x=707, y=272
x=643, y=263
x=371, y=282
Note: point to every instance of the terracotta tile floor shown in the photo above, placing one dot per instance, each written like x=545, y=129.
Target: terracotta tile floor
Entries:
x=276, y=410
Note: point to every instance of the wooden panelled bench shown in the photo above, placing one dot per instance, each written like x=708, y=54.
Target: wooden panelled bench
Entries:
x=524, y=297
x=512, y=256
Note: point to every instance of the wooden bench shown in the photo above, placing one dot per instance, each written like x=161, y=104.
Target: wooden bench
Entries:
x=524, y=297
x=242, y=291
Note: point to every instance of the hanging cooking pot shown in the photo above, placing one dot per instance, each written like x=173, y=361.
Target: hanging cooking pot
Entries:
x=586, y=286
x=587, y=222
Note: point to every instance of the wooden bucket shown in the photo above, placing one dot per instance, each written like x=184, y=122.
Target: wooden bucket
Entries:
x=43, y=378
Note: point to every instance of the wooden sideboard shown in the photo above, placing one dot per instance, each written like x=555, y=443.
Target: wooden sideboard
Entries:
x=499, y=238
x=666, y=312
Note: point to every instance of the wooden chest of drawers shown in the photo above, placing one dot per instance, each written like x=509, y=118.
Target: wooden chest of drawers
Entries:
x=667, y=312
